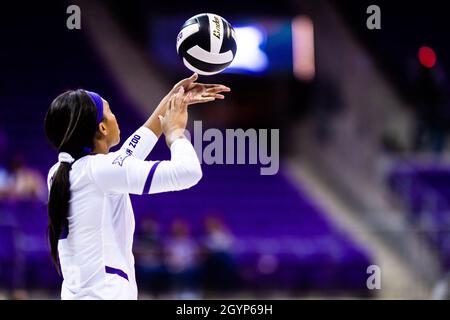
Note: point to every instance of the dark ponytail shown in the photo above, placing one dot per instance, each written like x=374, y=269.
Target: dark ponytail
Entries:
x=58, y=208
x=70, y=126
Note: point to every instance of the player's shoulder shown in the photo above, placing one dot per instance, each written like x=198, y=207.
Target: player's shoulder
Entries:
x=111, y=163
x=112, y=158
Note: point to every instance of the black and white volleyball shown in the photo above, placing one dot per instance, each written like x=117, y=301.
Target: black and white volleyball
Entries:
x=206, y=43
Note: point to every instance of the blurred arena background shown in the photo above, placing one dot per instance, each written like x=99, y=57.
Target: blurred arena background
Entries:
x=363, y=115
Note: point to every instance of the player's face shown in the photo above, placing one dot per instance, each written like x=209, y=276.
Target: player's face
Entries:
x=111, y=124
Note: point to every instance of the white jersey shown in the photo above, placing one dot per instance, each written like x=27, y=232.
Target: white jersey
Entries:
x=95, y=250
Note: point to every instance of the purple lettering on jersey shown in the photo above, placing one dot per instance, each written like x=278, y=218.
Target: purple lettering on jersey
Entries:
x=133, y=143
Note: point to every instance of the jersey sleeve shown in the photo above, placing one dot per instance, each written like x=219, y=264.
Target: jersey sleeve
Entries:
x=182, y=171
x=140, y=143
x=119, y=172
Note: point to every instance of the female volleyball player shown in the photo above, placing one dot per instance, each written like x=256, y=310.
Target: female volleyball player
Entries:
x=91, y=221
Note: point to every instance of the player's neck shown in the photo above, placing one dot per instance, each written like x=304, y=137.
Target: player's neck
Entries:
x=101, y=147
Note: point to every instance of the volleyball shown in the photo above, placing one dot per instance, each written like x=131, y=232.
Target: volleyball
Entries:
x=206, y=43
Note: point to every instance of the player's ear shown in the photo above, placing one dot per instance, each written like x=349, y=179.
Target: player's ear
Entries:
x=102, y=128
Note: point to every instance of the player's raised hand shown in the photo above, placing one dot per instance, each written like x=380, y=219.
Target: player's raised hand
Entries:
x=201, y=92
x=185, y=83
x=193, y=92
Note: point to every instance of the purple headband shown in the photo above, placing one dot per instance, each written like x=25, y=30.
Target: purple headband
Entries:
x=98, y=103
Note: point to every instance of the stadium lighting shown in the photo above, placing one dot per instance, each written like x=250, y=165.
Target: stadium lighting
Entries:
x=249, y=55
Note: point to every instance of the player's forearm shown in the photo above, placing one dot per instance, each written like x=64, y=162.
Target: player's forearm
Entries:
x=140, y=143
x=181, y=172
x=153, y=122
x=187, y=170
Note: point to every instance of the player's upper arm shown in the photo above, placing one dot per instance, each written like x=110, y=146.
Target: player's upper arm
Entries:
x=119, y=172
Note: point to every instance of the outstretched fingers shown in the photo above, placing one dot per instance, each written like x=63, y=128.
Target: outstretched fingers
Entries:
x=215, y=87
x=187, y=83
x=185, y=101
x=202, y=99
